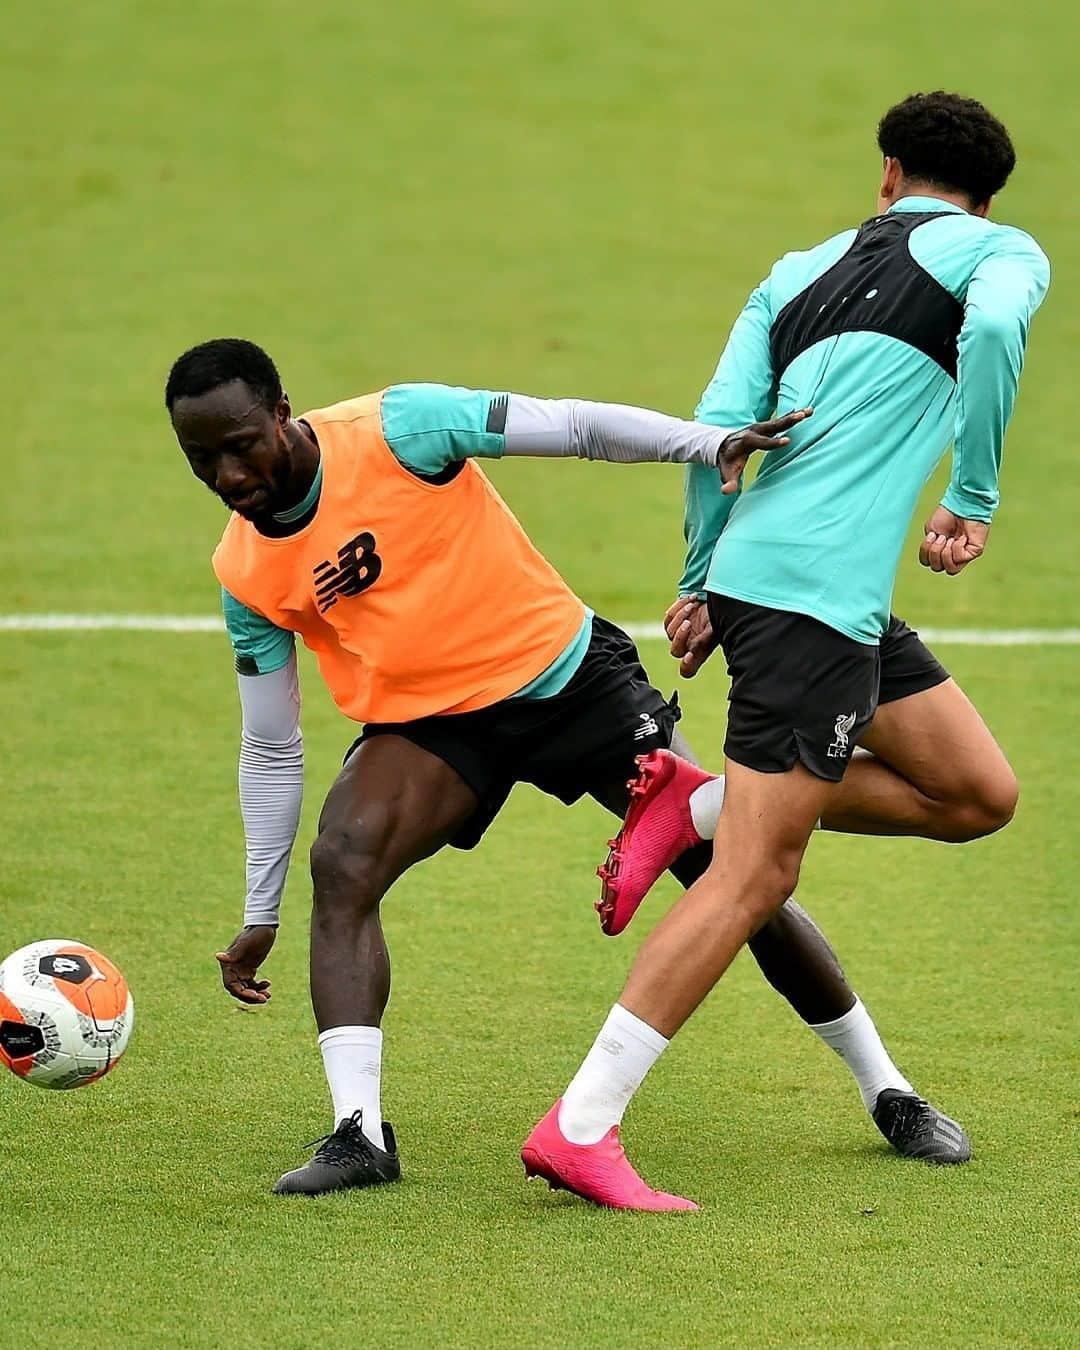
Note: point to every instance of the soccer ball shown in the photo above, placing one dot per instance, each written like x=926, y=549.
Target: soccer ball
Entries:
x=65, y=1014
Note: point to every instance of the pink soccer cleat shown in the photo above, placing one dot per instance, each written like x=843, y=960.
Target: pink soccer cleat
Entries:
x=658, y=828
x=599, y=1172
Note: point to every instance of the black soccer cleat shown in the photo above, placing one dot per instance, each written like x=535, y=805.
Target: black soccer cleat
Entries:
x=918, y=1130
x=343, y=1160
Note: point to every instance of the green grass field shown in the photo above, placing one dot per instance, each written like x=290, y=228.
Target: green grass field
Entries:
x=564, y=199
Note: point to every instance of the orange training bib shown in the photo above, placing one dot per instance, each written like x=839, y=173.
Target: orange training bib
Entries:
x=416, y=598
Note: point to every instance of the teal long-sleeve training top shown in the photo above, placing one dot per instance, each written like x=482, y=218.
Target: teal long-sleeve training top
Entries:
x=820, y=529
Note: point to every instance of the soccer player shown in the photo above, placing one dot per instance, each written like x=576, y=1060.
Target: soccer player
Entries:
x=368, y=529
x=905, y=334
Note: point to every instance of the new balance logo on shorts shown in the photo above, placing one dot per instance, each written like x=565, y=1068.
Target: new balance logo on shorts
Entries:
x=842, y=732
x=648, y=727
x=358, y=567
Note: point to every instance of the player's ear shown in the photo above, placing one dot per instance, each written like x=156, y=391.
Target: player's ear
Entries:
x=283, y=411
x=890, y=177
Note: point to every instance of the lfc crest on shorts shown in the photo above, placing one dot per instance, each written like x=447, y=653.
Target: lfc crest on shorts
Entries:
x=842, y=733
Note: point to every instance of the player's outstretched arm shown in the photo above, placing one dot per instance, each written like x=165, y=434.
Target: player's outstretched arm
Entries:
x=622, y=434
x=428, y=427
x=271, y=780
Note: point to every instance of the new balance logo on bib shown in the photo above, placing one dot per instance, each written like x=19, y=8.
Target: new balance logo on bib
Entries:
x=358, y=567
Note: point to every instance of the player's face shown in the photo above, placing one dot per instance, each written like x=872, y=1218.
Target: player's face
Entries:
x=238, y=448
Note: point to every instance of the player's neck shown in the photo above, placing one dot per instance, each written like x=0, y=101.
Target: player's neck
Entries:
x=934, y=194
x=305, y=460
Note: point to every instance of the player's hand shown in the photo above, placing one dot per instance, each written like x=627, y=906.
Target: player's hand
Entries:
x=740, y=445
x=950, y=542
x=689, y=630
x=241, y=961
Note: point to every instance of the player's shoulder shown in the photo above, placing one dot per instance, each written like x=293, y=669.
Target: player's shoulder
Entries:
x=835, y=243
x=1011, y=240
x=954, y=246
x=352, y=409
x=422, y=407
x=796, y=270
x=981, y=236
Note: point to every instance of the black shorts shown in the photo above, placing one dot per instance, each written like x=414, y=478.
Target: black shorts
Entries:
x=581, y=739
x=804, y=692
x=908, y=666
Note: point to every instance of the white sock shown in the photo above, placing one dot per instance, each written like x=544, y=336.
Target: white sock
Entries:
x=600, y=1092
x=352, y=1057
x=705, y=804
x=855, y=1039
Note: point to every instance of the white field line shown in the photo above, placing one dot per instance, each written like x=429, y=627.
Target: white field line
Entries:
x=110, y=623
x=208, y=623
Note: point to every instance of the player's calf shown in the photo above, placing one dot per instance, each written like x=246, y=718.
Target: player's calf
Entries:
x=350, y=966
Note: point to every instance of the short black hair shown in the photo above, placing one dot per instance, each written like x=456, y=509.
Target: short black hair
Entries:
x=950, y=142
x=220, y=361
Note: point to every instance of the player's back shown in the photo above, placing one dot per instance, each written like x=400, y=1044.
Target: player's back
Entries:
x=869, y=329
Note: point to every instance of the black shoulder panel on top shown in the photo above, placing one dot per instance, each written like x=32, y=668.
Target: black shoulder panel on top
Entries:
x=876, y=287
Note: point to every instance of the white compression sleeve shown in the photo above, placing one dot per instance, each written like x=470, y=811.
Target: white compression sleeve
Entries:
x=271, y=784
x=611, y=431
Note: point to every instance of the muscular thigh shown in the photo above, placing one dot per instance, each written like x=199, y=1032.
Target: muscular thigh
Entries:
x=937, y=741
x=397, y=802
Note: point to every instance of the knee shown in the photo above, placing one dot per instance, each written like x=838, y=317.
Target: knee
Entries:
x=998, y=800
x=767, y=886
x=783, y=878
x=347, y=867
x=987, y=806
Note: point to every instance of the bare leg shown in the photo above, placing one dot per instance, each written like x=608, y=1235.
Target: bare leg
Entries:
x=762, y=834
x=763, y=831
x=760, y=841
x=795, y=957
x=392, y=804
x=792, y=952
x=929, y=767
x=933, y=769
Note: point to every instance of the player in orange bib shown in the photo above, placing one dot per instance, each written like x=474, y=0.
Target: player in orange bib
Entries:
x=367, y=529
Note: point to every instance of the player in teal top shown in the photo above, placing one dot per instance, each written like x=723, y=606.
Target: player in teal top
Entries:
x=885, y=414
x=903, y=335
